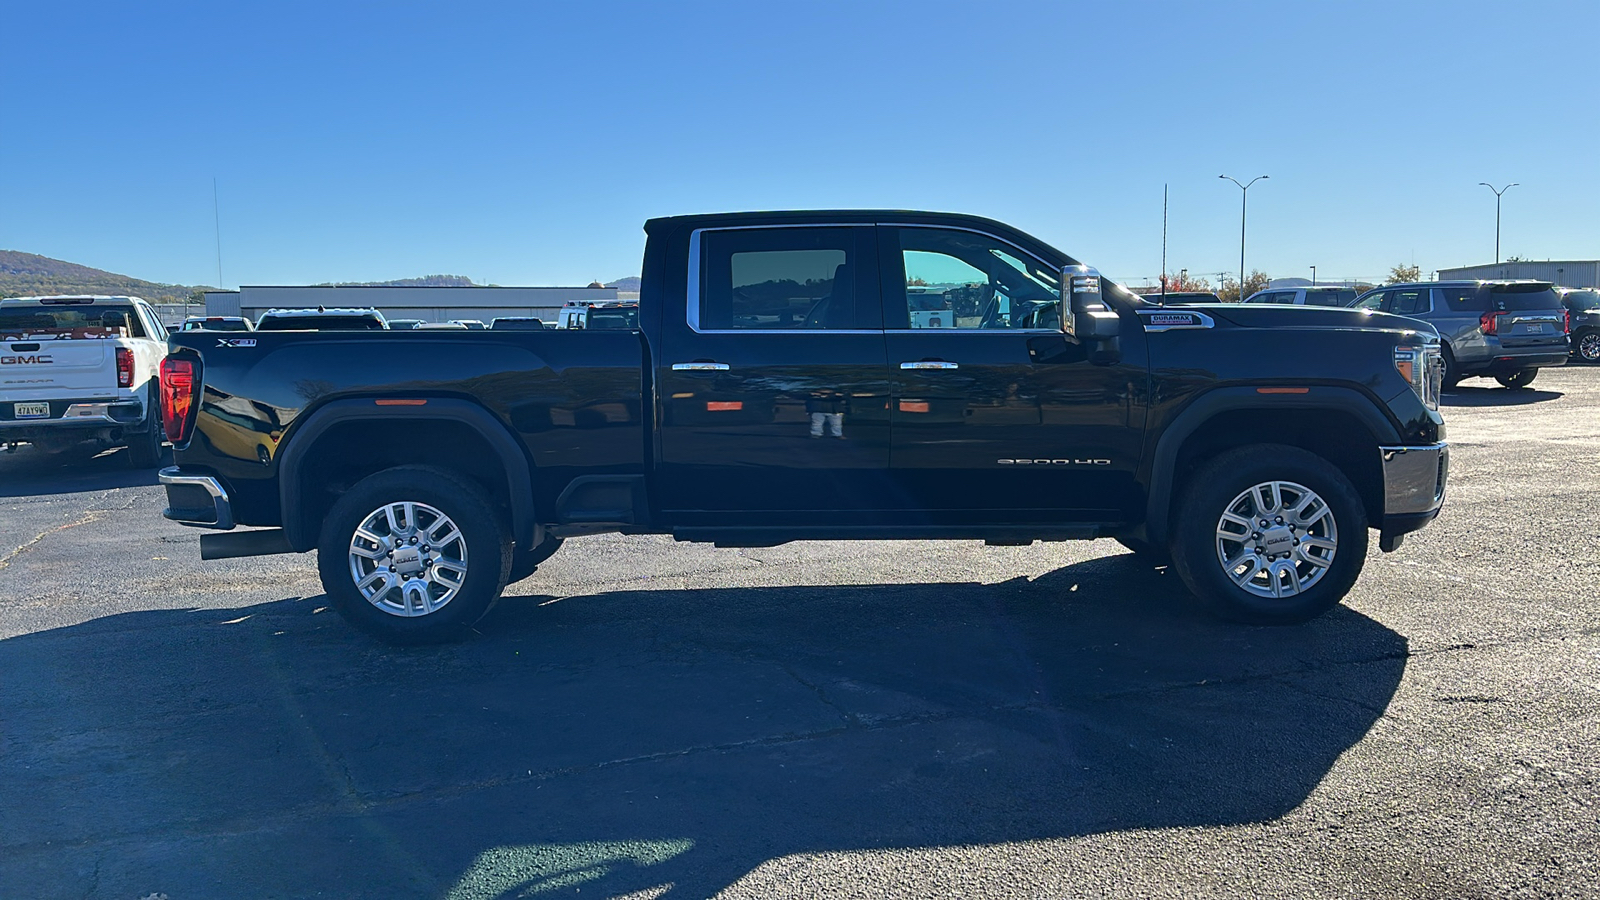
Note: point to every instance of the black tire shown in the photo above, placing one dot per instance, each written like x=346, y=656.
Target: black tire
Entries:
x=1213, y=491
x=485, y=541
x=1517, y=380
x=1147, y=552
x=526, y=562
x=1586, y=345
x=1452, y=372
x=144, y=447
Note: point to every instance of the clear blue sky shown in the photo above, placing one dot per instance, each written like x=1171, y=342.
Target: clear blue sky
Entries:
x=526, y=143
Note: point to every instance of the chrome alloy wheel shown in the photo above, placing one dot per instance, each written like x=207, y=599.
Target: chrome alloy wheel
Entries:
x=1589, y=347
x=408, y=559
x=1277, y=539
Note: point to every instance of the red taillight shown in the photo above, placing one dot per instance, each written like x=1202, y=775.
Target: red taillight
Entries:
x=1566, y=321
x=1487, y=321
x=124, y=367
x=177, y=398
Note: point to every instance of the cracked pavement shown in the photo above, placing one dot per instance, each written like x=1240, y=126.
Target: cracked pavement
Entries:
x=645, y=719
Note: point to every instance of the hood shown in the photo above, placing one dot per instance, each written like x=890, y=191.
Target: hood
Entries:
x=1264, y=315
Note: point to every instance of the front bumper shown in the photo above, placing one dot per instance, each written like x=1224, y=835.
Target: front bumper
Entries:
x=1414, y=481
x=198, y=500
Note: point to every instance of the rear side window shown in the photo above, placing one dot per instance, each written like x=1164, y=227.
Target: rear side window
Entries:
x=778, y=279
x=1329, y=298
x=1462, y=299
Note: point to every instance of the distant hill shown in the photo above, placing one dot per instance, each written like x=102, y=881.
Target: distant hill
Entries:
x=631, y=283
x=29, y=274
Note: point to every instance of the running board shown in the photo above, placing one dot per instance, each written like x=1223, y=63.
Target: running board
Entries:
x=993, y=535
x=231, y=544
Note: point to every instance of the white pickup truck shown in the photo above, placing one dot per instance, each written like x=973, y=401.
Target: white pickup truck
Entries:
x=75, y=369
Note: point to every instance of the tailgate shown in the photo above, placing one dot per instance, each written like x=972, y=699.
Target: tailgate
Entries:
x=1531, y=329
x=57, y=369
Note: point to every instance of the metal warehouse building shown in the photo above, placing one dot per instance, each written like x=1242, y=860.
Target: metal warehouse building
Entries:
x=433, y=304
x=1575, y=273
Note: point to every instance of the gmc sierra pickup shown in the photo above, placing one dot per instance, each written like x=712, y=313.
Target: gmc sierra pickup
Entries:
x=819, y=375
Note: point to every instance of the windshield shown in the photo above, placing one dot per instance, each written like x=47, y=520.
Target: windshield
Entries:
x=69, y=322
x=1582, y=300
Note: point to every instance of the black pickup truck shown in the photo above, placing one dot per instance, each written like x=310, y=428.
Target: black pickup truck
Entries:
x=819, y=375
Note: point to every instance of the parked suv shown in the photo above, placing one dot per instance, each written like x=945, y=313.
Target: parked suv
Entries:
x=1583, y=321
x=1305, y=296
x=1505, y=330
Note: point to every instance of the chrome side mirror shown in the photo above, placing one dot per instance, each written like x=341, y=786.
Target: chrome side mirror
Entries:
x=1088, y=319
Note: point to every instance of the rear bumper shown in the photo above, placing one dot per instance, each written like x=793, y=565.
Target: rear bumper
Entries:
x=68, y=415
x=198, y=500
x=1414, y=480
x=1506, y=363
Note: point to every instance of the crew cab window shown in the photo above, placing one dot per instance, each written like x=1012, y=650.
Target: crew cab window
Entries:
x=778, y=279
x=1409, y=302
x=959, y=279
x=1373, y=300
x=1462, y=299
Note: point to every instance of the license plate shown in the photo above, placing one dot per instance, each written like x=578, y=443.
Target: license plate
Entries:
x=31, y=410
x=1533, y=328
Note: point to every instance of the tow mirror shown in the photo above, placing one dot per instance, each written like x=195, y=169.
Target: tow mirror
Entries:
x=1090, y=321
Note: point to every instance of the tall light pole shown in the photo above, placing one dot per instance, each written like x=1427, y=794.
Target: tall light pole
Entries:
x=1497, y=215
x=1244, y=198
x=1313, y=276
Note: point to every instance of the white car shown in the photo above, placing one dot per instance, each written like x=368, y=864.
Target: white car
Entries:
x=76, y=369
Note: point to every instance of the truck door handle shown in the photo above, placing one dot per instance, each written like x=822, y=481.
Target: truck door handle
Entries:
x=930, y=364
x=700, y=366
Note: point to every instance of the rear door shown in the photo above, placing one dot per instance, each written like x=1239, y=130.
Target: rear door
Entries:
x=997, y=417
x=774, y=388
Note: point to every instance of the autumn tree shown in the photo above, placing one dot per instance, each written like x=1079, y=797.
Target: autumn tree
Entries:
x=1229, y=292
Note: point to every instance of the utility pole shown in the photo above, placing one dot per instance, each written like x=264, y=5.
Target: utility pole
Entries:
x=1313, y=276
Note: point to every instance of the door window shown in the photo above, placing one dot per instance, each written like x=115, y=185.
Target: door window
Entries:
x=1410, y=301
x=966, y=281
x=1373, y=300
x=778, y=279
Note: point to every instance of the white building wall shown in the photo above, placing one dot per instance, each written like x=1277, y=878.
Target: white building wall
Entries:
x=1575, y=273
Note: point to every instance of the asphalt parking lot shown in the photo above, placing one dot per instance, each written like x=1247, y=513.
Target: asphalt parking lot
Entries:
x=644, y=719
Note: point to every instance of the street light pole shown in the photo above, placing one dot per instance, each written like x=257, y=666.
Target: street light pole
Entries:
x=1313, y=276
x=1497, y=215
x=1244, y=199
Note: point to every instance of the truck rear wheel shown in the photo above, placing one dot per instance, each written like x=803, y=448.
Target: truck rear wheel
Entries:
x=413, y=555
x=144, y=447
x=1270, y=535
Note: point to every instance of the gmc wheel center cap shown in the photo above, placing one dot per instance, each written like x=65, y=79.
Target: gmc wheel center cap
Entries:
x=1277, y=540
x=407, y=561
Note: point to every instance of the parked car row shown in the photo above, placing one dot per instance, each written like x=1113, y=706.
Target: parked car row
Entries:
x=575, y=315
x=1505, y=330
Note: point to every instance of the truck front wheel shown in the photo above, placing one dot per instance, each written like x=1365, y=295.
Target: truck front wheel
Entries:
x=413, y=555
x=1270, y=535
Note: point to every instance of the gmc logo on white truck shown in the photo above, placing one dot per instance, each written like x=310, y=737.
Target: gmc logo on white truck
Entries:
x=36, y=359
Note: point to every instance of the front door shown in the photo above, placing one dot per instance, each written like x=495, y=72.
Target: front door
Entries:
x=997, y=415
x=774, y=392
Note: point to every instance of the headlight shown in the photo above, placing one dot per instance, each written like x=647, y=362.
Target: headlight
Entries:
x=1423, y=368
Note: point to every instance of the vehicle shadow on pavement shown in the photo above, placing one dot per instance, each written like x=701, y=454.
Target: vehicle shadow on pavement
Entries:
x=670, y=742
x=31, y=472
x=1495, y=396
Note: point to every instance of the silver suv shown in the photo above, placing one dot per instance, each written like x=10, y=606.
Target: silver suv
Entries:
x=1505, y=330
x=1305, y=296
